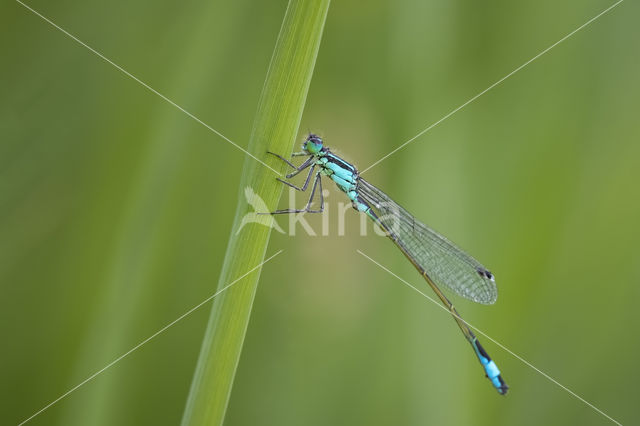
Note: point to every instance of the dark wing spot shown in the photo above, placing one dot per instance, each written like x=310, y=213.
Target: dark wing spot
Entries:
x=484, y=273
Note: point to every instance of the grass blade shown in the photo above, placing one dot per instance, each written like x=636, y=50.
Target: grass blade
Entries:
x=275, y=129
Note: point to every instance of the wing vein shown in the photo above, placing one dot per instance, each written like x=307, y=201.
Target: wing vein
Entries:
x=448, y=265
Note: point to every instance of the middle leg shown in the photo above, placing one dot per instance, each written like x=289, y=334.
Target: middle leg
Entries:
x=317, y=183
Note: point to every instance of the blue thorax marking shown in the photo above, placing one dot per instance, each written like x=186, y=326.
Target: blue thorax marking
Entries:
x=341, y=172
x=334, y=159
x=345, y=176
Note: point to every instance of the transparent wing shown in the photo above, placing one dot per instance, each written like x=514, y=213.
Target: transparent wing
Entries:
x=447, y=265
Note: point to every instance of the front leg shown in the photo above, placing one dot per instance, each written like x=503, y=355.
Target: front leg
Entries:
x=295, y=154
x=310, y=161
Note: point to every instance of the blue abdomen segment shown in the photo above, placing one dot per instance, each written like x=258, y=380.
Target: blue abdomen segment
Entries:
x=362, y=206
x=490, y=368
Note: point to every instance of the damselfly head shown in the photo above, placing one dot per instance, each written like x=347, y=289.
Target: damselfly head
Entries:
x=313, y=144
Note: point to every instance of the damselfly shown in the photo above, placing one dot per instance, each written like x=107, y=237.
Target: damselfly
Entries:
x=438, y=260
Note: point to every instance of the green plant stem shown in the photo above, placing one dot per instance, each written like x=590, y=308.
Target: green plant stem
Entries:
x=275, y=129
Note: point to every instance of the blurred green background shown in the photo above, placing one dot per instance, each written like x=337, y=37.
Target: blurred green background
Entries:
x=116, y=209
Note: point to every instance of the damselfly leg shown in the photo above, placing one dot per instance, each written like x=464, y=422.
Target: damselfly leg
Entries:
x=317, y=182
